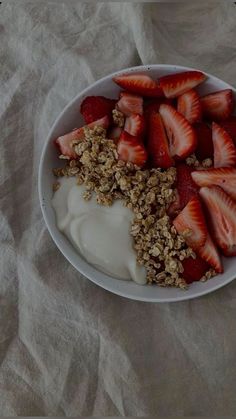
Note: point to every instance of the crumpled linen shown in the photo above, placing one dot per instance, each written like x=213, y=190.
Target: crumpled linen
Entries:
x=67, y=347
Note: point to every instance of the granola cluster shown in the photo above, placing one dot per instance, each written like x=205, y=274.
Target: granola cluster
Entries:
x=148, y=193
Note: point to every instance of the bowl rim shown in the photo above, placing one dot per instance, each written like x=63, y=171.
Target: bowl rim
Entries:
x=141, y=68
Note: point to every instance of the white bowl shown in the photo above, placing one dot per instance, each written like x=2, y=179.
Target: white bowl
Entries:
x=71, y=118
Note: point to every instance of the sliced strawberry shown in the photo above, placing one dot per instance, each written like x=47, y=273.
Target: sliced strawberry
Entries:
x=95, y=107
x=158, y=148
x=194, y=269
x=130, y=104
x=64, y=142
x=153, y=105
x=223, y=177
x=210, y=254
x=181, y=135
x=114, y=133
x=218, y=106
x=191, y=223
x=175, y=85
x=139, y=83
x=230, y=126
x=189, y=106
x=186, y=187
x=224, y=148
x=204, y=148
x=135, y=125
x=222, y=211
x=130, y=149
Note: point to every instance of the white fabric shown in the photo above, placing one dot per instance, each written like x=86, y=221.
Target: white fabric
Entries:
x=68, y=347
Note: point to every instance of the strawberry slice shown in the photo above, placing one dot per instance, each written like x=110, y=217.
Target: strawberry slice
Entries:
x=210, y=254
x=230, y=126
x=114, y=133
x=139, y=83
x=153, y=105
x=222, y=211
x=223, y=177
x=191, y=223
x=181, y=135
x=131, y=149
x=130, y=104
x=95, y=107
x=190, y=107
x=135, y=125
x=175, y=85
x=186, y=187
x=64, y=142
x=194, y=269
x=218, y=106
x=224, y=148
x=204, y=148
x=158, y=148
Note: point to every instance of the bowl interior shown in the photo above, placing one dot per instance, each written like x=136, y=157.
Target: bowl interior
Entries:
x=70, y=118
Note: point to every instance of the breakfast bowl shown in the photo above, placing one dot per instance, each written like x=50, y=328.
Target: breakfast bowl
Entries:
x=66, y=122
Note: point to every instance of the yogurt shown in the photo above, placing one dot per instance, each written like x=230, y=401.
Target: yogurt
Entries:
x=100, y=234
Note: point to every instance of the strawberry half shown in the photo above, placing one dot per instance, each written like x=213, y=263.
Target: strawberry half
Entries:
x=95, y=107
x=222, y=211
x=153, y=105
x=175, y=85
x=190, y=107
x=218, y=106
x=191, y=224
x=181, y=135
x=204, y=148
x=139, y=83
x=194, y=269
x=130, y=149
x=135, y=125
x=64, y=142
x=210, y=254
x=186, y=187
x=230, y=126
x=224, y=148
x=130, y=104
x=158, y=148
x=223, y=177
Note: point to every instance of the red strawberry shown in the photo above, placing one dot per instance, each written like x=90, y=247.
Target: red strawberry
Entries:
x=65, y=141
x=190, y=107
x=175, y=85
x=223, y=177
x=230, y=126
x=139, y=83
x=210, y=254
x=135, y=125
x=204, y=148
x=222, y=211
x=185, y=185
x=224, y=148
x=95, y=107
x=181, y=135
x=218, y=106
x=130, y=104
x=153, y=105
x=194, y=269
x=130, y=149
x=114, y=133
x=191, y=223
x=158, y=148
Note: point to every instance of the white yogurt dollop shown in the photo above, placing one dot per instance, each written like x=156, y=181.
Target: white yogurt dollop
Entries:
x=101, y=234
